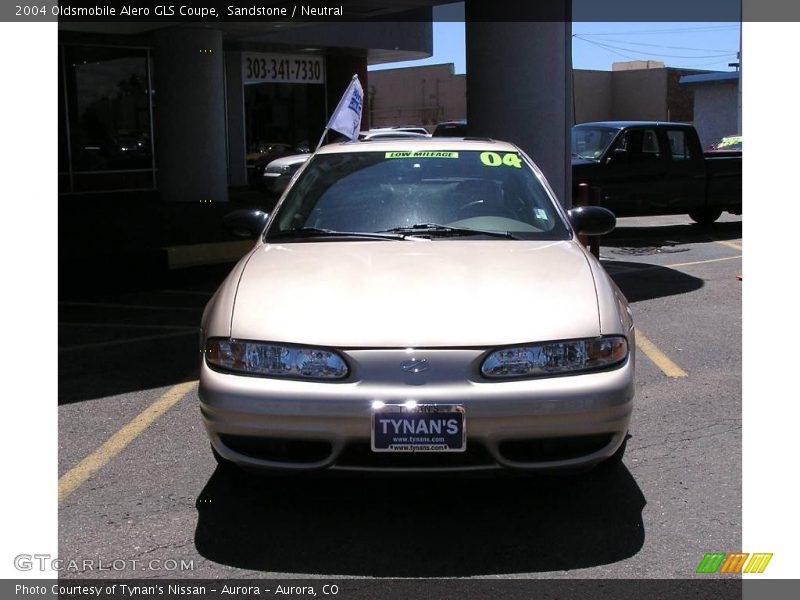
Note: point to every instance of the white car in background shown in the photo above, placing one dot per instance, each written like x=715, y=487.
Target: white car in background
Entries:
x=279, y=172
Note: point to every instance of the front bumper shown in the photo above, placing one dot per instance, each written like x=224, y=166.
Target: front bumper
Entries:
x=539, y=424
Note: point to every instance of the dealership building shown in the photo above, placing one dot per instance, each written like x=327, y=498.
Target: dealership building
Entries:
x=160, y=123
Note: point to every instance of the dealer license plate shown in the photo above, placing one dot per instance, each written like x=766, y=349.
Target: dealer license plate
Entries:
x=420, y=428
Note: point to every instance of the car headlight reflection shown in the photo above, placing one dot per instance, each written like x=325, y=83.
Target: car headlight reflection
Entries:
x=554, y=358
x=273, y=360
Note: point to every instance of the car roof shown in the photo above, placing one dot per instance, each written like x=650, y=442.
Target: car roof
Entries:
x=423, y=144
x=394, y=134
x=394, y=128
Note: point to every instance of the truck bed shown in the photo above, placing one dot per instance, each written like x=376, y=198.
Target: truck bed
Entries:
x=724, y=177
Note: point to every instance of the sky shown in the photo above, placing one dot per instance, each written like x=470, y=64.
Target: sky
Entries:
x=597, y=45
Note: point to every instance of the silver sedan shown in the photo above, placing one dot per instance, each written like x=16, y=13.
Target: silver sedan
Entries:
x=418, y=306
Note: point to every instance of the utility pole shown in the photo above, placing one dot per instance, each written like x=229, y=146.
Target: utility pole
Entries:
x=739, y=105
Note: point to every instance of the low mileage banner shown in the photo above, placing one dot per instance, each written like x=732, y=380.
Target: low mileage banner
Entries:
x=263, y=67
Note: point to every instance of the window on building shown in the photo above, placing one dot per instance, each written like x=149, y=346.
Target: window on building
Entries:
x=281, y=119
x=105, y=137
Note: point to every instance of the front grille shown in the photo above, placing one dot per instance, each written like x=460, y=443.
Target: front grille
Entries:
x=360, y=454
x=553, y=449
x=277, y=449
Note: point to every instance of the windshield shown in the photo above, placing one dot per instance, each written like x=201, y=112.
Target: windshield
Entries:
x=436, y=194
x=731, y=142
x=591, y=142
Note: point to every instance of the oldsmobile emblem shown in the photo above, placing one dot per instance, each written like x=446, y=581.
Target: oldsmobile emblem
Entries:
x=415, y=365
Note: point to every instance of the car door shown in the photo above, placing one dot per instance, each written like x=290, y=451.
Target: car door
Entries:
x=684, y=185
x=634, y=173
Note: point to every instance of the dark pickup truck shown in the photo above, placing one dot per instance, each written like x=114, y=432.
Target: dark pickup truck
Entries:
x=654, y=168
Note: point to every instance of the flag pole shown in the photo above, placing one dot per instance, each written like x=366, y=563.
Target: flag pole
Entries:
x=322, y=137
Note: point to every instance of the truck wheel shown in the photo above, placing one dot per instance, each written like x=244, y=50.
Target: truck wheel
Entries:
x=705, y=217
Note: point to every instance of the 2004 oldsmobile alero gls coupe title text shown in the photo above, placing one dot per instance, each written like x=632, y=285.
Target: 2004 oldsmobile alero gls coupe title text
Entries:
x=418, y=305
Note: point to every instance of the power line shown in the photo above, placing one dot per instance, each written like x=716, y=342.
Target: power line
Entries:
x=580, y=36
x=609, y=50
x=665, y=31
x=707, y=64
x=609, y=47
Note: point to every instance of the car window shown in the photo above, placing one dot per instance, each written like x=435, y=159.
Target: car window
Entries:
x=635, y=147
x=379, y=191
x=729, y=143
x=678, y=145
x=590, y=142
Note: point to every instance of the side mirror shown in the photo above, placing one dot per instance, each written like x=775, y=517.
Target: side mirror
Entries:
x=245, y=223
x=592, y=220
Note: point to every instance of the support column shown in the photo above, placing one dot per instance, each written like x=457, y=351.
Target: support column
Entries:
x=190, y=115
x=237, y=144
x=519, y=89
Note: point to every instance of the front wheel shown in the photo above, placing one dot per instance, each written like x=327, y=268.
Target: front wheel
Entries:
x=705, y=217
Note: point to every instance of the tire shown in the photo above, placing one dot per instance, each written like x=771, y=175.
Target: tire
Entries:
x=705, y=217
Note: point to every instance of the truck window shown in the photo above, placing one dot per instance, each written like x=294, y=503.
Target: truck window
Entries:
x=678, y=145
x=650, y=144
x=590, y=142
x=636, y=146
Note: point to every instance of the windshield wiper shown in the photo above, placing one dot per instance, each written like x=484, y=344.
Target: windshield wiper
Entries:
x=445, y=230
x=316, y=232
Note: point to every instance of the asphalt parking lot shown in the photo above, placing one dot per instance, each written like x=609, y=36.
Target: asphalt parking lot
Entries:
x=138, y=482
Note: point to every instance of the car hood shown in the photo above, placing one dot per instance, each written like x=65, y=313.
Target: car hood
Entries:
x=416, y=294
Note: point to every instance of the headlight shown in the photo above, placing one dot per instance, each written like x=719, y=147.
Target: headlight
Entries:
x=554, y=358
x=272, y=360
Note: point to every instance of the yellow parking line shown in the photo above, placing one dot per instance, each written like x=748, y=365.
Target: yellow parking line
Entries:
x=188, y=292
x=73, y=478
x=702, y=262
x=124, y=325
x=129, y=306
x=669, y=266
x=144, y=338
x=730, y=245
x=662, y=361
